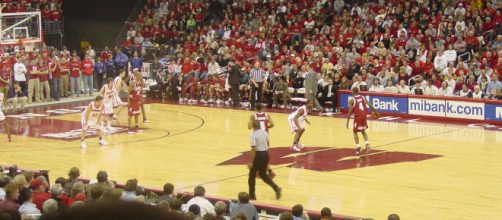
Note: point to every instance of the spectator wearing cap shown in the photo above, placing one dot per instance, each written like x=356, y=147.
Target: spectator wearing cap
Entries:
x=28, y=207
x=198, y=199
x=40, y=195
x=11, y=196
x=102, y=178
x=244, y=207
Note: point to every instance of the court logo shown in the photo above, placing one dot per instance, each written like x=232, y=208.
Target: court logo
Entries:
x=327, y=159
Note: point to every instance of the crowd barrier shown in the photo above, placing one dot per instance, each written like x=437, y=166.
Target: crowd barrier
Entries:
x=443, y=108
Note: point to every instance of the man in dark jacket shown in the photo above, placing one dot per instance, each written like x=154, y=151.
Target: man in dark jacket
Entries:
x=234, y=75
x=328, y=93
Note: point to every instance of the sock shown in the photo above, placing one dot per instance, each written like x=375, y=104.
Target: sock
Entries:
x=358, y=145
x=367, y=142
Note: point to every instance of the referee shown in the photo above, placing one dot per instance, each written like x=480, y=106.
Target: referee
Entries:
x=259, y=161
x=256, y=76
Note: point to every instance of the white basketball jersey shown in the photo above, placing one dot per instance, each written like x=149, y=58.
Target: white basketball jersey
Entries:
x=302, y=117
x=109, y=94
x=95, y=111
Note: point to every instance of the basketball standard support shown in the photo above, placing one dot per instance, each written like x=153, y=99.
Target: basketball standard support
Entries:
x=32, y=19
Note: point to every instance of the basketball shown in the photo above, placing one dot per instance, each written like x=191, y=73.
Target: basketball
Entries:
x=375, y=115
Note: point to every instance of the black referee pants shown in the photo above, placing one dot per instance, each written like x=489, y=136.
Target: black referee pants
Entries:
x=260, y=165
x=256, y=94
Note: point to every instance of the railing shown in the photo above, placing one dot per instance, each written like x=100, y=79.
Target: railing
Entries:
x=132, y=16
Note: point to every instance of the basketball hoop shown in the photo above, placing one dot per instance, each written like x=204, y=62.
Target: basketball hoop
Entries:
x=28, y=46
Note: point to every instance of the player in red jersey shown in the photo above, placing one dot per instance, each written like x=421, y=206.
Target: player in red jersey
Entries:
x=264, y=119
x=358, y=105
x=134, y=108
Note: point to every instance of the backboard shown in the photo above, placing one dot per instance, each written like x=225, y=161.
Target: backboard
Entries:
x=20, y=28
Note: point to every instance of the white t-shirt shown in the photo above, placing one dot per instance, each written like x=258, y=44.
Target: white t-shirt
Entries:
x=20, y=72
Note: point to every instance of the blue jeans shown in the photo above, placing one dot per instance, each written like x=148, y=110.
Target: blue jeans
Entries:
x=55, y=88
x=75, y=85
x=88, y=84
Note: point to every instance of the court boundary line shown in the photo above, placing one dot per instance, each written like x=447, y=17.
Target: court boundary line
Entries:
x=202, y=122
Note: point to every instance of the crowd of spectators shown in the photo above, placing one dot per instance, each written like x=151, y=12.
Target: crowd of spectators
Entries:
x=50, y=9
x=407, y=47
x=32, y=197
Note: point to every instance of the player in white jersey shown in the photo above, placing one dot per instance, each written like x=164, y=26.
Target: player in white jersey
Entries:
x=91, y=118
x=108, y=93
x=296, y=123
x=3, y=120
x=118, y=84
x=264, y=119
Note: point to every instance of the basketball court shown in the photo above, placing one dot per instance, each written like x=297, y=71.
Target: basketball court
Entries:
x=417, y=169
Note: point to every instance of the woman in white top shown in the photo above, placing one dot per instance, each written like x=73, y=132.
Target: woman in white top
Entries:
x=402, y=88
x=477, y=94
x=445, y=90
x=376, y=87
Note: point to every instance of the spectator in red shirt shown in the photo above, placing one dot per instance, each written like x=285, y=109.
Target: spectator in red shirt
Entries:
x=33, y=82
x=88, y=71
x=5, y=75
x=55, y=14
x=75, y=66
x=64, y=66
x=55, y=70
x=44, y=81
x=40, y=194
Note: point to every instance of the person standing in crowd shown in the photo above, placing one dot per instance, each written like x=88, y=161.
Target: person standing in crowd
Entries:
x=87, y=72
x=120, y=62
x=20, y=73
x=136, y=61
x=33, y=82
x=75, y=76
x=310, y=84
x=256, y=77
x=55, y=69
x=5, y=74
x=233, y=80
x=64, y=64
x=99, y=71
x=259, y=161
x=109, y=67
x=44, y=81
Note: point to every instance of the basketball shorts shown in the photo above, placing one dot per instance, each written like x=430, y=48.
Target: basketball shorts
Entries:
x=293, y=126
x=360, y=124
x=108, y=108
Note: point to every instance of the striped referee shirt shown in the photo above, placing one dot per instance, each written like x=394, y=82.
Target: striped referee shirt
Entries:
x=259, y=140
x=257, y=74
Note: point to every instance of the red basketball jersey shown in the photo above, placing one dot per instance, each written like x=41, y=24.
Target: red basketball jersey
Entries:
x=360, y=108
x=360, y=111
x=263, y=119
